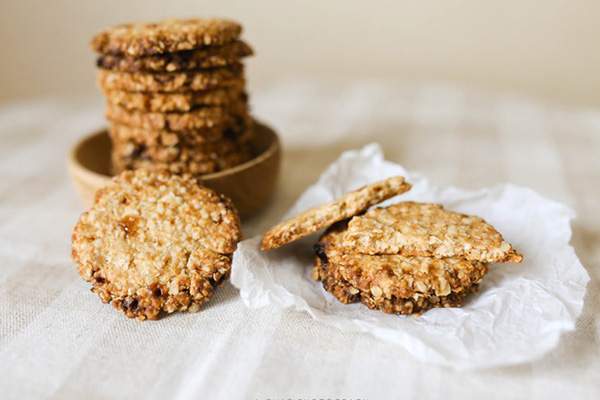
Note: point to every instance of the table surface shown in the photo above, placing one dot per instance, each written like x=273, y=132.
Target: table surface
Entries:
x=57, y=340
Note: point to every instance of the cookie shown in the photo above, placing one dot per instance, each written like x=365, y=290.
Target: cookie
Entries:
x=178, y=151
x=208, y=57
x=175, y=102
x=323, y=216
x=209, y=140
x=144, y=39
x=422, y=229
x=374, y=299
x=200, y=118
x=178, y=160
x=154, y=243
x=394, y=283
x=238, y=129
x=185, y=165
x=195, y=80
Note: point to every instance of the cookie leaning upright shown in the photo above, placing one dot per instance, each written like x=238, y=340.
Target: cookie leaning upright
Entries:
x=155, y=243
x=321, y=217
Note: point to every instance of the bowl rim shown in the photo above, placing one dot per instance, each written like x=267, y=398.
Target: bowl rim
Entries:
x=79, y=168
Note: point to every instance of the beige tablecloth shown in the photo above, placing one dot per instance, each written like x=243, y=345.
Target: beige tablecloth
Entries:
x=57, y=340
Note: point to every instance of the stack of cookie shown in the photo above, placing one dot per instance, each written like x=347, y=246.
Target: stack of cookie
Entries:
x=175, y=95
x=404, y=259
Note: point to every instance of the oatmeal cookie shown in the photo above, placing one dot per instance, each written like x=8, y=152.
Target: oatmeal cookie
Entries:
x=177, y=160
x=177, y=152
x=208, y=57
x=394, y=283
x=323, y=216
x=207, y=140
x=144, y=39
x=175, y=102
x=196, y=80
x=154, y=243
x=334, y=283
x=238, y=129
x=200, y=118
x=421, y=229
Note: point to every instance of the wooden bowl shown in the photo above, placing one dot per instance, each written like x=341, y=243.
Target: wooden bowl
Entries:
x=249, y=185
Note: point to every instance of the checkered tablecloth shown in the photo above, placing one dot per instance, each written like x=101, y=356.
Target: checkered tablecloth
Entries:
x=57, y=340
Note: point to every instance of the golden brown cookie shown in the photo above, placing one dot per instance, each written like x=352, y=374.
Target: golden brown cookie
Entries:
x=200, y=118
x=323, y=216
x=143, y=39
x=175, y=102
x=237, y=130
x=187, y=165
x=347, y=293
x=178, y=151
x=208, y=140
x=422, y=229
x=207, y=57
x=177, y=159
x=154, y=242
x=394, y=283
x=196, y=80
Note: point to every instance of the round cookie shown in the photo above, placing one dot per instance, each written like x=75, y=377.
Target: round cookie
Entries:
x=208, y=57
x=394, y=283
x=174, y=102
x=180, y=151
x=200, y=118
x=143, y=39
x=154, y=242
x=422, y=229
x=219, y=143
x=182, y=160
x=236, y=131
x=321, y=217
x=347, y=293
x=196, y=80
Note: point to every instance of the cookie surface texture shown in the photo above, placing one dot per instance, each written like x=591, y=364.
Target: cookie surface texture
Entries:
x=208, y=57
x=144, y=39
x=197, y=80
x=394, y=283
x=200, y=118
x=429, y=230
x=155, y=243
x=321, y=217
x=174, y=102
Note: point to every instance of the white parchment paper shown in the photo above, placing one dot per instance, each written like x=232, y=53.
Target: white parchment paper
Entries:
x=518, y=314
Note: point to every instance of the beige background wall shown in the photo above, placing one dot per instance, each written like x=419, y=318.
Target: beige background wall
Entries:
x=547, y=49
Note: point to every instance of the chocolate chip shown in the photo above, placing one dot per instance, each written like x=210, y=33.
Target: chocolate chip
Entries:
x=230, y=134
x=320, y=252
x=353, y=298
x=212, y=282
x=138, y=151
x=130, y=304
